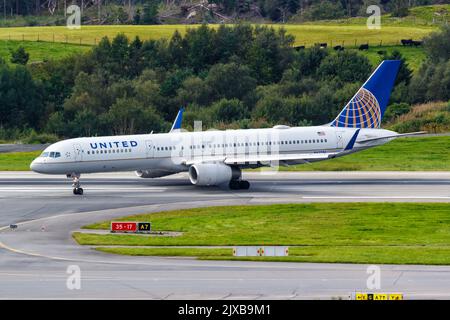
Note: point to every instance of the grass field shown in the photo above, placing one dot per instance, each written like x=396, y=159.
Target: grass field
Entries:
x=334, y=232
x=407, y=154
x=307, y=34
x=17, y=161
x=40, y=51
x=414, y=56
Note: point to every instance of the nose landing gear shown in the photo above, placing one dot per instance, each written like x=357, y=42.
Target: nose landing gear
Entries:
x=77, y=190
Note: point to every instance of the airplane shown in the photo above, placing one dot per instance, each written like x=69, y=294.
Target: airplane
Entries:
x=218, y=157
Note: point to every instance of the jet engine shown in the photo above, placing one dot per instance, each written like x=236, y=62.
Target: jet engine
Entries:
x=152, y=173
x=212, y=174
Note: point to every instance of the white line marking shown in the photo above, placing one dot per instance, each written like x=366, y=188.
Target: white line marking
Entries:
x=15, y=189
x=377, y=197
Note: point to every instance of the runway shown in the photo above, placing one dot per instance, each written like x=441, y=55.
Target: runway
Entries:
x=34, y=258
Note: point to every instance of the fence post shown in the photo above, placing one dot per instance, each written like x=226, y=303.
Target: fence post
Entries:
x=355, y=42
x=23, y=37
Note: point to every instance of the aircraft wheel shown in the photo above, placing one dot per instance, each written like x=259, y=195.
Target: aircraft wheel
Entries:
x=234, y=185
x=78, y=191
x=244, y=185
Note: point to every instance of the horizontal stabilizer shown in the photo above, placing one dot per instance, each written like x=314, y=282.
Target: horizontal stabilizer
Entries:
x=399, y=135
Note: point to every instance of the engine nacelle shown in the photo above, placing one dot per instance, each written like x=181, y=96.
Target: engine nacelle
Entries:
x=212, y=174
x=152, y=173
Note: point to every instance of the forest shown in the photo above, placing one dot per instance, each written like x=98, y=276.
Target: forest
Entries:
x=181, y=11
x=238, y=76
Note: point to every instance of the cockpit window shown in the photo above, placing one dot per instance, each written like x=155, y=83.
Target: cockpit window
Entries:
x=44, y=154
x=52, y=154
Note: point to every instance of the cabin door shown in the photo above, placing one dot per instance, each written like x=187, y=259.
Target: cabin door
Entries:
x=149, y=148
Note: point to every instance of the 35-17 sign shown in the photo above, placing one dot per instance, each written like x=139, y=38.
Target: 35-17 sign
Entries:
x=121, y=226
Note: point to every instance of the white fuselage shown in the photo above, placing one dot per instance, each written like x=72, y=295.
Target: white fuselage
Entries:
x=172, y=152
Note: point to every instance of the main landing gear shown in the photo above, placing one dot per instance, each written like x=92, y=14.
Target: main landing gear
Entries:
x=77, y=190
x=239, y=185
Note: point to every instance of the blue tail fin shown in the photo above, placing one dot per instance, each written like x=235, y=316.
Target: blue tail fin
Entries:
x=366, y=108
x=178, y=121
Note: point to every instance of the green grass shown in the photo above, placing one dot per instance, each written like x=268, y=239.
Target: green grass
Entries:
x=414, y=56
x=168, y=252
x=322, y=232
x=40, y=51
x=17, y=161
x=307, y=34
x=405, y=154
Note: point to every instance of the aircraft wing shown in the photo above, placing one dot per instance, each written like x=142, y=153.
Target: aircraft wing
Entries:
x=230, y=160
x=393, y=136
x=278, y=157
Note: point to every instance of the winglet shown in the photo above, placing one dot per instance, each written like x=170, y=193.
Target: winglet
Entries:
x=352, y=141
x=178, y=120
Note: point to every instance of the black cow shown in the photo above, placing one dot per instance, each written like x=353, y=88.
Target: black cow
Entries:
x=364, y=47
x=298, y=48
x=338, y=48
x=417, y=43
x=406, y=42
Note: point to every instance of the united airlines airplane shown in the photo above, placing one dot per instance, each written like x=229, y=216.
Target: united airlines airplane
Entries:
x=217, y=157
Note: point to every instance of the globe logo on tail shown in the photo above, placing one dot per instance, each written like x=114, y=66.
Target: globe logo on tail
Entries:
x=363, y=111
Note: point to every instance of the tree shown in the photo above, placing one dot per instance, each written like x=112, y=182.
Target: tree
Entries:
x=150, y=15
x=229, y=110
x=137, y=17
x=222, y=78
x=437, y=45
x=347, y=66
x=399, y=8
x=20, y=56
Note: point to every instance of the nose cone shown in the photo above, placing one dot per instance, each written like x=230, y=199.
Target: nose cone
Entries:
x=36, y=167
x=33, y=166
